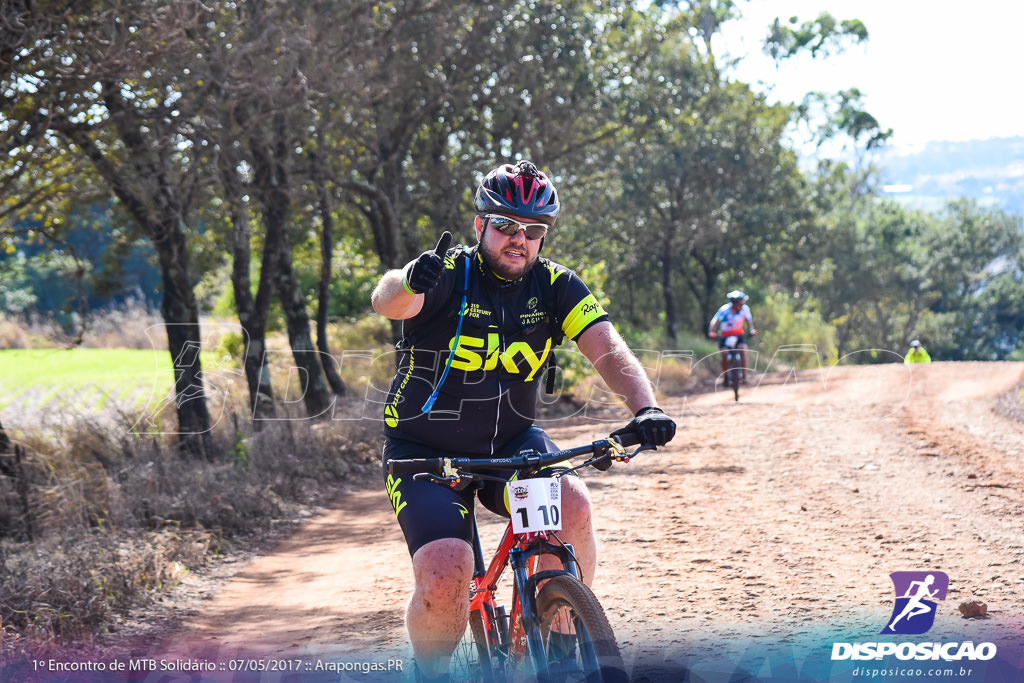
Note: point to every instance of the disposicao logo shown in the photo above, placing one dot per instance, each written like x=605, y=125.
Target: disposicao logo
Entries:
x=913, y=614
x=916, y=593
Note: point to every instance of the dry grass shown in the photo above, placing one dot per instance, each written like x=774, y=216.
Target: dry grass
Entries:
x=104, y=524
x=96, y=521
x=12, y=334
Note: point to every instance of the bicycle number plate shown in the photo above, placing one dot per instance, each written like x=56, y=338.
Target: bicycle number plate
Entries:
x=536, y=504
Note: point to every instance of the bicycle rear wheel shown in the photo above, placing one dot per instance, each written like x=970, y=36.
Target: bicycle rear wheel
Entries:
x=471, y=661
x=579, y=644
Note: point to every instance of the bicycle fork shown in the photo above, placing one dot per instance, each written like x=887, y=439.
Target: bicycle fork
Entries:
x=525, y=633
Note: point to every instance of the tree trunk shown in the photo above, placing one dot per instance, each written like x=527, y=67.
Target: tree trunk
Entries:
x=307, y=358
x=671, y=330
x=253, y=315
x=181, y=314
x=272, y=184
x=154, y=204
x=702, y=285
x=252, y=312
x=384, y=225
x=383, y=221
x=324, y=293
x=667, y=267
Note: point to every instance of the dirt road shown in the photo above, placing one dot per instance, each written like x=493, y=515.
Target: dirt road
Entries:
x=764, y=534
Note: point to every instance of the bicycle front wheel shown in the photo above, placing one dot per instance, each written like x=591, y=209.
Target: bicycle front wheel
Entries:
x=579, y=644
x=735, y=374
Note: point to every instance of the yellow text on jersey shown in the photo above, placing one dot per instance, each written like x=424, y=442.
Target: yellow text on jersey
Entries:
x=479, y=353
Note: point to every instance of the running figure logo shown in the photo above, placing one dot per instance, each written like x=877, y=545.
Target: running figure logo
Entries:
x=916, y=592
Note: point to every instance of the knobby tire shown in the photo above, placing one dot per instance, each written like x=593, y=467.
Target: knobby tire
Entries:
x=596, y=655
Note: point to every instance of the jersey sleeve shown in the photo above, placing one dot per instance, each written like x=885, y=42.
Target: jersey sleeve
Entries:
x=578, y=308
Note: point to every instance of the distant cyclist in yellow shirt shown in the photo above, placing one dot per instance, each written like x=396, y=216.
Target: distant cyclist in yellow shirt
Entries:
x=917, y=354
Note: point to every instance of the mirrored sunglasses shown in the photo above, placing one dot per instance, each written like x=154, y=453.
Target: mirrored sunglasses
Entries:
x=508, y=226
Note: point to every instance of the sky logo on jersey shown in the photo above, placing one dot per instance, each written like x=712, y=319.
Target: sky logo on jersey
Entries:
x=916, y=593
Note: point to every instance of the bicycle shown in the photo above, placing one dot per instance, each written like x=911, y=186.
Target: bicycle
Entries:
x=734, y=365
x=554, y=631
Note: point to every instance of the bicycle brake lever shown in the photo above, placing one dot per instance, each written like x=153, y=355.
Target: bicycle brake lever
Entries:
x=626, y=457
x=618, y=455
x=447, y=481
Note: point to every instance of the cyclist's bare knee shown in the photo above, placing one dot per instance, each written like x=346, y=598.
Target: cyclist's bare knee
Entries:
x=575, y=502
x=442, y=570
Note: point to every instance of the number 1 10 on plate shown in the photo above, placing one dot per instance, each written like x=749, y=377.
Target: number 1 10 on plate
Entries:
x=536, y=504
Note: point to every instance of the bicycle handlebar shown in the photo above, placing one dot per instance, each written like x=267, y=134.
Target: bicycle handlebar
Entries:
x=524, y=460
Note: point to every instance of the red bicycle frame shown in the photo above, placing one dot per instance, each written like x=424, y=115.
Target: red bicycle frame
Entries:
x=519, y=551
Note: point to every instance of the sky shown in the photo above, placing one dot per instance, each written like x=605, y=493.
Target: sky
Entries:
x=931, y=69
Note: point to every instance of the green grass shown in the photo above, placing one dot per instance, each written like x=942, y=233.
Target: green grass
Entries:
x=84, y=379
x=47, y=367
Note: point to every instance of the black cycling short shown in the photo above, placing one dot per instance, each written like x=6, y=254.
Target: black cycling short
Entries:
x=429, y=512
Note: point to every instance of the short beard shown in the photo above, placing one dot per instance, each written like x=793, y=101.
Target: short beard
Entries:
x=492, y=260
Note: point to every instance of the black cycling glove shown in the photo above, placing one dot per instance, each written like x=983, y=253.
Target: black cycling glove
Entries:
x=653, y=426
x=425, y=272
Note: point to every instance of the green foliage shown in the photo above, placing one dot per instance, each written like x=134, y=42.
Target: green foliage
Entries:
x=883, y=275
x=677, y=182
x=232, y=344
x=44, y=282
x=825, y=34
x=781, y=323
x=241, y=450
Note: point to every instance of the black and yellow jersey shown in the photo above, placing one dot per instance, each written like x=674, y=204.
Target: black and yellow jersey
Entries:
x=490, y=394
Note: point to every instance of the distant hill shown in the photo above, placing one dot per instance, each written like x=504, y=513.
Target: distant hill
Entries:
x=991, y=171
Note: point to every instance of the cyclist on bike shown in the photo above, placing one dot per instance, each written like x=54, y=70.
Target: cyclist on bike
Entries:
x=916, y=354
x=729, y=321
x=491, y=312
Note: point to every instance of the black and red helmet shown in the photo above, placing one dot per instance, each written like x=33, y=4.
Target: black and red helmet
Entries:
x=521, y=190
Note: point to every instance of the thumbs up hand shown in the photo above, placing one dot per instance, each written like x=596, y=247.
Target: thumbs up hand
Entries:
x=424, y=273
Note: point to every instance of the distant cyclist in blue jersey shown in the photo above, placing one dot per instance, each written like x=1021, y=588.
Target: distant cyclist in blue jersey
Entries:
x=729, y=321
x=480, y=326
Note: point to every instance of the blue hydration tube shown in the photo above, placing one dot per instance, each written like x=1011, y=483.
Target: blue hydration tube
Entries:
x=455, y=344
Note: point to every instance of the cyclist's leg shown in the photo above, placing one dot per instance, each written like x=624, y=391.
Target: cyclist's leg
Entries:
x=439, y=607
x=577, y=524
x=437, y=523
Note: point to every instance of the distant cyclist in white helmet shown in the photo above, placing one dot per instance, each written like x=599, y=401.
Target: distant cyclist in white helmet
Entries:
x=728, y=322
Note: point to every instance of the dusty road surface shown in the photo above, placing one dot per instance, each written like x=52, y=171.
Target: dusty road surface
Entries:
x=760, y=538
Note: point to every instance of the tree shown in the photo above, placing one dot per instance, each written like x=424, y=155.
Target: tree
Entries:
x=107, y=85
x=972, y=262
x=720, y=191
